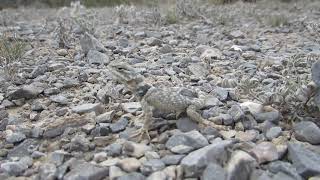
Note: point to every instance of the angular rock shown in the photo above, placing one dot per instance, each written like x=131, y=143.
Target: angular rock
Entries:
x=195, y=162
x=60, y=99
x=132, y=176
x=86, y=108
x=131, y=107
x=135, y=149
x=192, y=139
x=304, y=160
x=105, y=117
x=86, y=171
x=15, y=137
x=27, y=92
x=185, y=124
x=172, y=159
x=240, y=166
x=265, y=152
x=89, y=42
x=151, y=166
x=21, y=150
x=273, y=132
x=307, y=131
x=98, y=58
x=120, y=125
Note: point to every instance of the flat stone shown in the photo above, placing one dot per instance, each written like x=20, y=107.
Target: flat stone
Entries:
x=60, y=99
x=15, y=137
x=185, y=124
x=57, y=127
x=195, y=162
x=307, y=131
x=86, y=108
x=27, y=92
x=131, y=107
x=21, y=150
x=105, y=117
x=192, y=139
x=172, y=159
x=120, y=125
x=265, y=152
x=304, y=160
x=129, y=164
x=151, y=166
x=132, y=176
x=87, y=171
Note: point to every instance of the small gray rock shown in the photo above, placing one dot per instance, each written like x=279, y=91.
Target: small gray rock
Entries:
x=192, y=139
x=60, y=99
x=86, y=108
x=236, y=112
x=114, y=149
x=273, y=132
x=151, y=166
x=172, y=159
x=132, y=176
x=119, y=125
x=89, y=42
x=265, y=152
x=105, y=117
x=195, y=162
x=131, y=107
x=15, y=137
x=134, y=149
x=307, y=131
x=98, y=58
x=185, y=124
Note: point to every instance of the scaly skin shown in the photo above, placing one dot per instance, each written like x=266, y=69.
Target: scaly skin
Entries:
x=177, y=100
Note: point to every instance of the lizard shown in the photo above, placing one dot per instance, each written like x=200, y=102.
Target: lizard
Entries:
x=167, y=99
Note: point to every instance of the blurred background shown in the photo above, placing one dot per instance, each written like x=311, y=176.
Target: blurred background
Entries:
x=59, y=3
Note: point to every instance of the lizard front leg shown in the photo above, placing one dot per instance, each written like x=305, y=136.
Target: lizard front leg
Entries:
x=147, y=116
x=195, y=116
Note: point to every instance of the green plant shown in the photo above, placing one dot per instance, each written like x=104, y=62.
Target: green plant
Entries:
x=171, y=16
x=277, y=20
x=11, y=52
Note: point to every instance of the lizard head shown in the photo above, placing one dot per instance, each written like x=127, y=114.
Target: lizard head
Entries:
x=125, y=74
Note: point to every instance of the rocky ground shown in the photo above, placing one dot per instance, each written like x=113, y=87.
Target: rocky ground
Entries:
x=63, y=117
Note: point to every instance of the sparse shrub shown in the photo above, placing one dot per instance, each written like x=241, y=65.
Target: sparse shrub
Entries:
x=11, y=52
x=171, y=16
x=277, y=20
